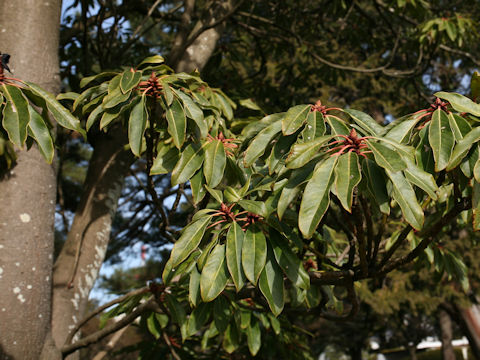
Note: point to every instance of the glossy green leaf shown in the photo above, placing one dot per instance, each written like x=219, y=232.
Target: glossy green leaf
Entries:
x=87, y=80
x=337, y=126
x=292, y=188
x=155, y=59
x=231, y=338
x=16, y=115
x=235, y=238
x=401, y=132
x=167, y=156
x=476, y=171
x=315, y=126
x=193, y=112
x=177, y=123
x=189, y=240
x=215, y=161
x=460, y=103
x=462, y=147
x=279, y=153
x=191, y=159
x=136, y=126
x=386, y=157
x=254, y=336
x=198, y=318
x=254, y=253
x=60, y=113
x=222, y=313
x=256, y=207
x=347, y=177
x=153, y=326
x=316, y=197
x=197, y=185
x=224, y=105
x=271, y=284
x=194, y=287
x=422, y=179
x=178, y=314
x=365, y=121
x=295, y=118
x=378, y=186
x=475, y=86
x=405, y=196
x=260, y=142
x=441, y=139
x=130, y=80
x=302, y=153
x=459, y=126
x=476, y=205
x=40, y=132
x=93, y=116
x=115, y=98
x=288, y=261
x=214, y=274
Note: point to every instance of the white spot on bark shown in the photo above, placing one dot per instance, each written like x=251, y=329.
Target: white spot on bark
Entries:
x=16, y=290
x=74, y=318
x=25, y=217
x=14, y=343
x=34, y=268
x=1, y=246
x=47, y=278
x=29, y=287
x=1, y=271
x=75, y=301
x=71, y=327
x=17, y=264
x=21, y=298
x=4, y=30
x=40, y=316
x=3, y=309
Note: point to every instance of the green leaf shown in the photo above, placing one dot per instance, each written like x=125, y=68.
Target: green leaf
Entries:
x=475, y=86
x=476, y=205
x=215, y=161
x=292, y=188
x=61, y=115
x=214, y=274
x=222, y=313
x=386, y=157
x=196, y=184
x=462, y=147
x=254, y=253
x=198, y=318
x=136, y=126
x=316, y=197
x=402, y=131
x=476, y=171
x=460, y=103
x=459, y=126
x=193, y=112
x=231, y=338
x=254, y=336
x=347, y=176
x=178, y=314
x=338, y=126
x=194, y=287
x=315, y=126
x=68, y=96
x=288, y=261
x=295, y=118
x=365, y=121
x=155, y=59
x=441, y=139
x=235, y=238
x=153, y=326
x=404, y=195
x=87, y=80
x=378, y=186
x=300, y=154
x=39, y=131
x=191, y=159
x=189, y=240
x=164, y=162
x=224, y=105
x=260, y=142
x=177, y=123
x=115, y=98
x=130, y=80
x=94, y=116
x=256, y=207
x=422, y=179
x=271, y=284
x=16, y=115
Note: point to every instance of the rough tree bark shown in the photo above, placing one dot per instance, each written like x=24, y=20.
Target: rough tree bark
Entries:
x=91, y=228
x=469, y=320
x=29, y=33
x=447, y=335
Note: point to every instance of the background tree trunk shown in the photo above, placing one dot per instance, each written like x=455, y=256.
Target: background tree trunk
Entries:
x=29, y=32
x=445, y=323
x=469, y=320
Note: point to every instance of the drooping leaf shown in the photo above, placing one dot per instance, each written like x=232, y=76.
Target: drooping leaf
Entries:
x=235, y=238
x=378, y=186
x=260, y=142
x=60, y=113
x=177, y=123
x=460, y=103
x=198, y=318
x=254, y=336
x=16, y=115
x=130, y=80
x=254, y=253
x=316, y=197
x=386, y=157
x=302, y=153
x=193, y=112
x=462, y=147
x=40, y=132
x=164, y=162
x=214, y=274
x=271, y=284
x=347, y=177
x=295, y=118
x=222, y=313
x=422, y=179
x=215, y=161
x=365, y=121
x=136, y=126
x=441, y=139
x=405, y=196
x=189, y=240
x=315, y=126
x=194, y=287
x=178, y=313
x=191, y=159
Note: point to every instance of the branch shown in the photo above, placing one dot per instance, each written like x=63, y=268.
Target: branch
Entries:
x=97, y=336
x=100, y=309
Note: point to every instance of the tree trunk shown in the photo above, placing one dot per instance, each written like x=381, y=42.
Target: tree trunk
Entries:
x=469, y=320
x=412, y=351
x=79, y=262
x=29, y=32
x=447, y=335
